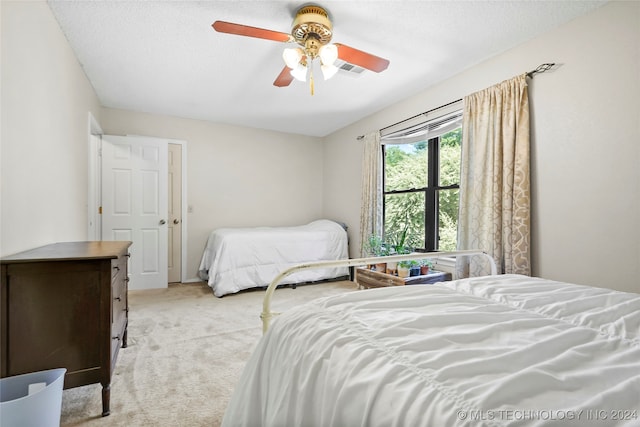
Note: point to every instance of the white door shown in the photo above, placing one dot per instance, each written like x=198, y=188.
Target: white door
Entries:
x=175, y=212
x=134, y=204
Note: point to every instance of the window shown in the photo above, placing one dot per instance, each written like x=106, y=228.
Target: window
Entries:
x=421, y=186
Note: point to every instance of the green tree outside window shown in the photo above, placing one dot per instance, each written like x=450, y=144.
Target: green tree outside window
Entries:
x=421, y=191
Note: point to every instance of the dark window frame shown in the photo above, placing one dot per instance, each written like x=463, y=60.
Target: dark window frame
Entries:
x=431, y=192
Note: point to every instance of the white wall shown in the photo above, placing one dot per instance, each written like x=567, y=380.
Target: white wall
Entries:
x=45, y=103
x=585, y=146
x=236, y=176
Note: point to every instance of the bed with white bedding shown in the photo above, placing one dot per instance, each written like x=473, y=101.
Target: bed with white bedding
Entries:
x=504, y=350
x=235, y=259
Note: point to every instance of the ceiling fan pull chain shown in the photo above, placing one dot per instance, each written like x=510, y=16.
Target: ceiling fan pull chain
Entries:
x=311, y=80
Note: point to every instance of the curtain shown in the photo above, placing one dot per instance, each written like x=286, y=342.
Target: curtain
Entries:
x=495, y=197
x=371, y=201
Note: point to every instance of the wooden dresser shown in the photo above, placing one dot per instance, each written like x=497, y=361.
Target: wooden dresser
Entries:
x=65, y=305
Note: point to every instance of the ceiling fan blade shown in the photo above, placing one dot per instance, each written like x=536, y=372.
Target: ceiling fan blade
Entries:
x=284, y=78
x=245, y=30
x=362, y=59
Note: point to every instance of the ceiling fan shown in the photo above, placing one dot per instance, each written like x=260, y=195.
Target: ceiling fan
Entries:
x=311, y=31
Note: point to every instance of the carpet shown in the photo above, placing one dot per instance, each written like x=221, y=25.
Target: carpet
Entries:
x=186, y=350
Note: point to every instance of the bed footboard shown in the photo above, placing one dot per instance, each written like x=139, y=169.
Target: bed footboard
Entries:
x=357, y=262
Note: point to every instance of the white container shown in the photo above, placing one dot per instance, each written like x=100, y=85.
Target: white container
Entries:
x=33, y=399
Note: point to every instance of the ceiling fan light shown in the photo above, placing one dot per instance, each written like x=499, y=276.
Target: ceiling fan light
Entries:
x=328, y=71
x=328, y=54
x=292, y=57
x=299, y=72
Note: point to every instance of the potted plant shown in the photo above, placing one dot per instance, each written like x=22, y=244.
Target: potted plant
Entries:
x=373, y=246
x=403, y=268
x=398, y=242
x=397, y=246
x=376, y=247
x=425, y=266
x=414, y=268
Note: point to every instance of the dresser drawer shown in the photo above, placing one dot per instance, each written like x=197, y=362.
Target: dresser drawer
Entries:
x=119, y=279
x=118, y=267
x=119, y=313
x=119, y=304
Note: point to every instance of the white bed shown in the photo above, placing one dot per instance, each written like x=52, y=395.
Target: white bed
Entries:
x=489, y=351
x=235, y=259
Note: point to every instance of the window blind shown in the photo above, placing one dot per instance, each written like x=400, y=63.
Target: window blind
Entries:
x=424, y=130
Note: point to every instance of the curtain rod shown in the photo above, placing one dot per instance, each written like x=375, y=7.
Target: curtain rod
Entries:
x=540, y=69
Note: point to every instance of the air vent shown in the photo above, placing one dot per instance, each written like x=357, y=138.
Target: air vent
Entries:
x=351, y=69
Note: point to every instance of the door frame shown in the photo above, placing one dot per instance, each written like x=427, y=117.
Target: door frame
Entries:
x=94, y=218
x=94, y=181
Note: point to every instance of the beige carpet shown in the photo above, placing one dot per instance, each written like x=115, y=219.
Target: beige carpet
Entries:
x=186, y=351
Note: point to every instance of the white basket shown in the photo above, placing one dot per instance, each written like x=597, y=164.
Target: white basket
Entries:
x=33, y=399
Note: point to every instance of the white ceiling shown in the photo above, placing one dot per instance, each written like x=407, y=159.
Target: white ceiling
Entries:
x=163, y=57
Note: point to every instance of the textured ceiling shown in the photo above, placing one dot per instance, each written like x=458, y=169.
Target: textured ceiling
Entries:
x=163, y=57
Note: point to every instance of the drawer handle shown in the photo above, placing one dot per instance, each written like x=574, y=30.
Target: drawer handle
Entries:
x=116, y=268
x=128, y=255
x=118, y=299
x=116, y=338
x=127, y=279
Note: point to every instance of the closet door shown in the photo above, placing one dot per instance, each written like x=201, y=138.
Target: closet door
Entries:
x=134, y=204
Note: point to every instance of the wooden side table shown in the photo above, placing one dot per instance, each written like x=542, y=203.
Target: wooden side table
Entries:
x=366, y=278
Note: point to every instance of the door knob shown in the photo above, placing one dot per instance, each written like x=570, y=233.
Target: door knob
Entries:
x=163, y=222
x=176, y=221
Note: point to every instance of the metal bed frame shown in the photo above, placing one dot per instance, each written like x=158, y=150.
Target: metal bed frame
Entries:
x=267, y=315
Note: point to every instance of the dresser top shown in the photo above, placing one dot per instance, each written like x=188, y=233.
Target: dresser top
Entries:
x=70, y=251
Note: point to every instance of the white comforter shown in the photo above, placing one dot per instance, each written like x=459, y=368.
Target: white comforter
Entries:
x=242, y=258
x=493, y=351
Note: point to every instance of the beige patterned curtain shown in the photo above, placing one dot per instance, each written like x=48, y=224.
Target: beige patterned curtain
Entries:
x=494, y=186
x=371, y=201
